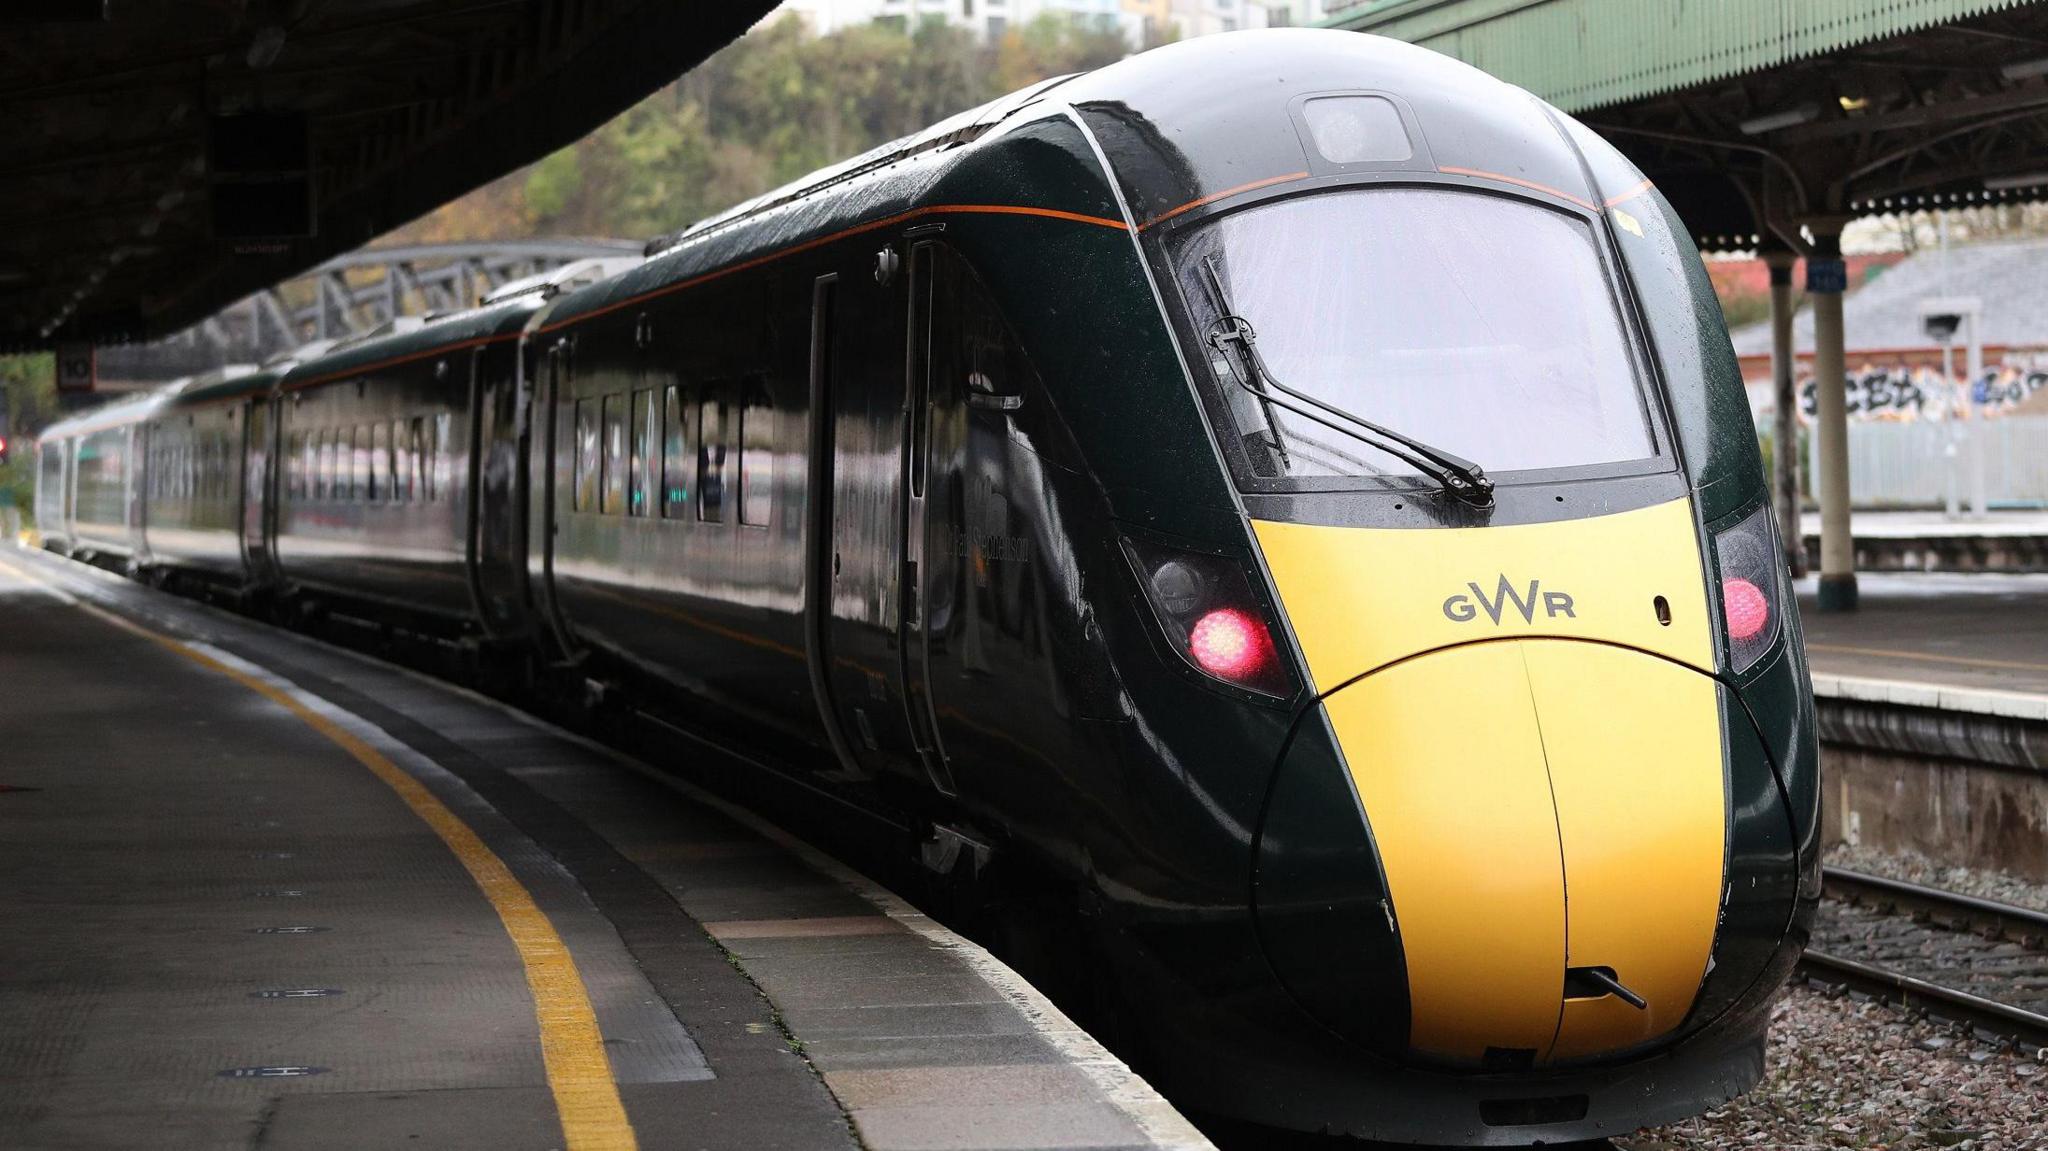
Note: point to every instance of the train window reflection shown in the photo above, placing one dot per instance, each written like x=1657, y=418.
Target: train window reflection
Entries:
x=416, y=460
x=585, y=493
x=711, y=444
x=613, y=493
x=380, y=467
x=1480, y=324
x=645, y=434
x=440, y=436
x=757, y=455
x=359, y=461
x=675, y=456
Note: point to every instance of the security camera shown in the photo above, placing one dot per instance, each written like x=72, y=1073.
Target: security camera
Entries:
x=1941, y=326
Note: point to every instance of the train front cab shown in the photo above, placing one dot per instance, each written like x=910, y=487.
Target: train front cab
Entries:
x=1541, y=845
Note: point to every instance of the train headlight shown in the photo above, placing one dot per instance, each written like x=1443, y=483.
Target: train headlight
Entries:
x=1210, y=616
x=1752, y=587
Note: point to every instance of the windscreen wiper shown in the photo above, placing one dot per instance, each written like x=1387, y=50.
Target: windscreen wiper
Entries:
x=1458, y=476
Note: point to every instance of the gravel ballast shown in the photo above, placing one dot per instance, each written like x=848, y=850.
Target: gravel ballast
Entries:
x=1913, y=867
x=1848, y=1073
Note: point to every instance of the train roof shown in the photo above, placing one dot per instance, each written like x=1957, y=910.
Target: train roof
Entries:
x=232, y=382
x=112, y=414
x=502, y=316
x=1182, y=126
x=1197, y=121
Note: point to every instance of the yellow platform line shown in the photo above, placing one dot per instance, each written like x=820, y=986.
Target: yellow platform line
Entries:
x=572, y=1048
x=1927, y=657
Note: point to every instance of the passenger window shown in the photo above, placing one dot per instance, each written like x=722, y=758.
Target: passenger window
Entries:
x=646, y=434
x=400, y=465
x=416, y=460
x=326, y=480
x=380, y=463
x=757, y=455
x=359, y=461
x=585, y=495
x=675, y=458
x=439, y=480
x=614, y=494
x=711, y=443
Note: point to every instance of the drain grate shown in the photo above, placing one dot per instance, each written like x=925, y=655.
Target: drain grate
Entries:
x=280, y=1072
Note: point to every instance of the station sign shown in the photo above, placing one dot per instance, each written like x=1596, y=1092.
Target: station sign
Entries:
x=76, y=368
x=1827, y=275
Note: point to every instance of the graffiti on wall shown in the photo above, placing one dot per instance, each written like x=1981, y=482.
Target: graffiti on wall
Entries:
x=1903, y=392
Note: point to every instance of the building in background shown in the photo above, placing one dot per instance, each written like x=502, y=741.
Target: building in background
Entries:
x=1894, y=365
x=824, y=17
x=1142, y=23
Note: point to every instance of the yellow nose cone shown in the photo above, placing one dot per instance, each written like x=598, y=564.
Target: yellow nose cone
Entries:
x=1541, y=805
x=1524, y=713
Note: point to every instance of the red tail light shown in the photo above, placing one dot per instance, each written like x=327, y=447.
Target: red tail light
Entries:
x=1752, y=587
x=1211, y=617
x=1746, y=608
x=1229, y=644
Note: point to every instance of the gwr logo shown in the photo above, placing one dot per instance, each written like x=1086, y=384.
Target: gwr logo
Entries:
x=1462, y=608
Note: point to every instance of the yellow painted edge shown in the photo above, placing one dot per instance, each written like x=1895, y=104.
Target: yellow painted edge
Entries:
x=572, y=1048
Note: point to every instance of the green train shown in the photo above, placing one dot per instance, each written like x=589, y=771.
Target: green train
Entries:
x=1289, y=489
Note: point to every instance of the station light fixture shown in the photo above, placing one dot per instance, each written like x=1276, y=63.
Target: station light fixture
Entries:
x=2025, y=69
x=2022, y=180
x=1805, y=113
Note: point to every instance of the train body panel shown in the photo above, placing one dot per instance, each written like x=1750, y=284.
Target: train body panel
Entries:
x=204, y=446
x=374, y=497
x=1308, y=515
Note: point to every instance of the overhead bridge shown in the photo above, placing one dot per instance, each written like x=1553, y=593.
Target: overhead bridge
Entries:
x=345, y=296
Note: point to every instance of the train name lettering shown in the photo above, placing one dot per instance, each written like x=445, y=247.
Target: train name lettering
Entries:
x=1462, y=608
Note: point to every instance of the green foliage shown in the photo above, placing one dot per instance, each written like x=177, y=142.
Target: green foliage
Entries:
x=28, y=389
x=553, y=182
x=773, y=106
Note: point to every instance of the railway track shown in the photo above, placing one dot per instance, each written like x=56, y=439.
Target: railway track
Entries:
x=1981, y=964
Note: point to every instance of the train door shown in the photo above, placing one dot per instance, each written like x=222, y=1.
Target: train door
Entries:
x=552, y=455
x=127, y=469
x=257, y=496
x=823, y=554
x=916, y=558
x=496, y=559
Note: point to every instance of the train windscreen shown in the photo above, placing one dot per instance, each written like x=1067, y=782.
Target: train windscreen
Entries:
x=1481, y=325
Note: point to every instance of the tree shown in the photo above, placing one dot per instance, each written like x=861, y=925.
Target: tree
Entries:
x=28, y=390
x=771, y=107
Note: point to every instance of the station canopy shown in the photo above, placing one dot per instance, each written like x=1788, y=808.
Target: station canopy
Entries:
x=166, y=157
x=1758, y=116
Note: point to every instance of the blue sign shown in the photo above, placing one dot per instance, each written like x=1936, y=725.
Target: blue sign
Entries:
x=1827, y=276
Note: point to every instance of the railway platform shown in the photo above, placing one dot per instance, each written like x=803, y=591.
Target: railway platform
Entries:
x=1985, y=632
x=265, y=892
x=2008, y=540
x=1932, y=708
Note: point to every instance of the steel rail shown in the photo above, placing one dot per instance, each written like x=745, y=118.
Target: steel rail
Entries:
x=1948, y=909
x=2023, y=1027
x=1945, y=909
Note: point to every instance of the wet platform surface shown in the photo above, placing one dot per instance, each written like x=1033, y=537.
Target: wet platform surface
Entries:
x=1985, y=632
x=226, y=926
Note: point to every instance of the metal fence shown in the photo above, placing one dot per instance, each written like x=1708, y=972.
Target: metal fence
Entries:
x=1893, y=465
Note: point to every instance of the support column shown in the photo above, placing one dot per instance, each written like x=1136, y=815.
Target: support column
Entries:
x=1784, y=373
x=1826, y=279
